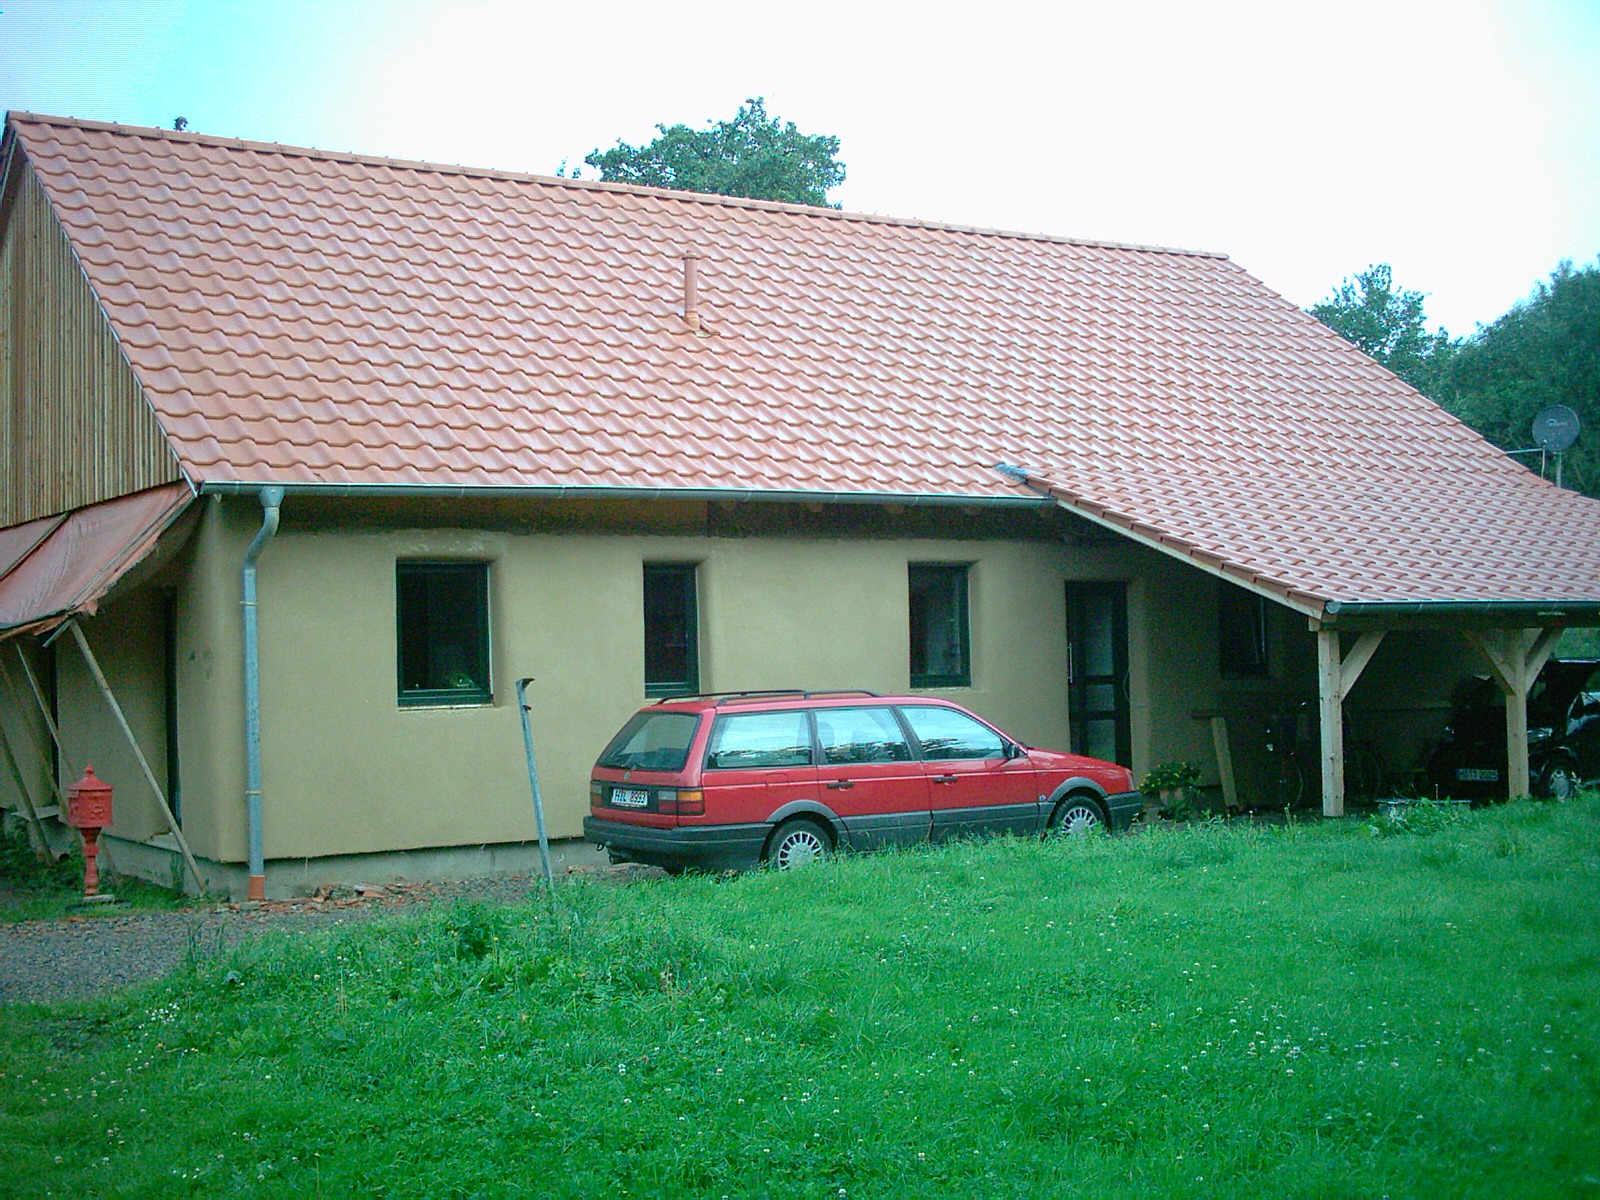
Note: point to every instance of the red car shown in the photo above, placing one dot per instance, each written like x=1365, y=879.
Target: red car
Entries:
x=727, y=781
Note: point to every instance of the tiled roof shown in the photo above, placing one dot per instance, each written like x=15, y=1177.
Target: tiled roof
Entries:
x=301, y=318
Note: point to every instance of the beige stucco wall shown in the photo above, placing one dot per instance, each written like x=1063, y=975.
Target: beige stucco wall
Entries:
x=347, y=771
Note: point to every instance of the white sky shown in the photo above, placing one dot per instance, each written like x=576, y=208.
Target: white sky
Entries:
x=1458, y=140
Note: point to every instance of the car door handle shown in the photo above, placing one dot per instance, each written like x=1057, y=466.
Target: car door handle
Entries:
x=840, y=784
x=945, y=778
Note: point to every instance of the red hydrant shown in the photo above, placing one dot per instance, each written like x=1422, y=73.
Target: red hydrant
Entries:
x=89, y=811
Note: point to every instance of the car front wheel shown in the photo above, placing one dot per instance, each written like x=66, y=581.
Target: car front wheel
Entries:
x=797, y=843
x=1077, y=815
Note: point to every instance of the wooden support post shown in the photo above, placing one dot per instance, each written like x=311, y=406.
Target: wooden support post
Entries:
x=1219, y=739
x=149, y=775
x=1516, y=656
x=1330, y=707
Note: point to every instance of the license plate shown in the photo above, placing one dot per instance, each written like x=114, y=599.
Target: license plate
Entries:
x=1477, y=775
x=630, y=798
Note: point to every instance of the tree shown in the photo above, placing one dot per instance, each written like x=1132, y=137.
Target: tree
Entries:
x=1388, y=325
x=753, y=155
x=1545, y=351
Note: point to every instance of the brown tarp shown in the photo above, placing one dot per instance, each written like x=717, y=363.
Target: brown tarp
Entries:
x=56, y=567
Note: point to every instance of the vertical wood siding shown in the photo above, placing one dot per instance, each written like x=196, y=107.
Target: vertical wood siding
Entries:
x=74, y=425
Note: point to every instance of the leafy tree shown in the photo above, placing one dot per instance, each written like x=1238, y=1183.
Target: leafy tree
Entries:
x=1545, y=351
x=753, y=155
x=1388, y=325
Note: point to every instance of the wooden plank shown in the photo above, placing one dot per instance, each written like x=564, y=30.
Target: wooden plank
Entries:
x=1356, y=661
x=1219, y=739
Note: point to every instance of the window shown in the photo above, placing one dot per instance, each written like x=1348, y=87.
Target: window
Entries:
x=860, y=735
x=777, y=739
x=946, y=734
x=443, y=617
x=671, y=633
x=1242, y=631
x=652, y=741
x=939, y=654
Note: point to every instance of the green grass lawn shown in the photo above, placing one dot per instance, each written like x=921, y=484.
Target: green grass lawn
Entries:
x=1340, y=1009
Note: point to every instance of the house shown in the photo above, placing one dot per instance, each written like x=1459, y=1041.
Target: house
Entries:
x=309, y=457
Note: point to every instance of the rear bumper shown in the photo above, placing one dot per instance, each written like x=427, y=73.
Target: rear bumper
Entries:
x=713, y=847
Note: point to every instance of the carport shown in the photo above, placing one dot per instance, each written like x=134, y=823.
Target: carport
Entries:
x=1463, y=541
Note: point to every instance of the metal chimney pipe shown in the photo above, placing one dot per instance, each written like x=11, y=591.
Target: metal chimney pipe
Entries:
x=691, y=292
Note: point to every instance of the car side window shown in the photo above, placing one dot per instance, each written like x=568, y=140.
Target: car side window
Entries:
x=740, y=741
x=860, y=735
x=945, y=733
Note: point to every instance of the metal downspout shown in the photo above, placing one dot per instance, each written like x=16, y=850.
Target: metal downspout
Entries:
x=271, y=498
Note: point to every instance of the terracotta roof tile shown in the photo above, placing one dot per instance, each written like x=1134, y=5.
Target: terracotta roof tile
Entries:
x=302, y=317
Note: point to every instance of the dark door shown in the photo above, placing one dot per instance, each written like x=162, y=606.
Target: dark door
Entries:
x=1097, y=670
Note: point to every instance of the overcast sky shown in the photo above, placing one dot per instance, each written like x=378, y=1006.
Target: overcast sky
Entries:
x=1458, y=140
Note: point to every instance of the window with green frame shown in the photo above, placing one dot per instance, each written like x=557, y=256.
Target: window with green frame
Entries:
x=1241, y=632
x=442, y=617
x=940, y=640
x=671, y=630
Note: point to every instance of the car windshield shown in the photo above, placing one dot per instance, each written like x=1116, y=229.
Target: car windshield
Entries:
x=652, y=741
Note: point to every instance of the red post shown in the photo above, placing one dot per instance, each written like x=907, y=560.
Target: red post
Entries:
x=89, y=811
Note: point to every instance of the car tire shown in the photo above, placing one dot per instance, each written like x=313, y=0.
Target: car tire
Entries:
x=1559, y=780
x=798, y=842
x=1078, y=814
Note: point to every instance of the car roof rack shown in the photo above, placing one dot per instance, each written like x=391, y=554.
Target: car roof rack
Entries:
x=765, y=694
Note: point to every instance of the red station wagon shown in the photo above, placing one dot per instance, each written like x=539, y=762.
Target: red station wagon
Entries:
x=727, y=781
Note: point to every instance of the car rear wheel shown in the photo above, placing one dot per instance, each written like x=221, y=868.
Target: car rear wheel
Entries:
x=1559, y=780
x=798, y=842
x=1078, y=815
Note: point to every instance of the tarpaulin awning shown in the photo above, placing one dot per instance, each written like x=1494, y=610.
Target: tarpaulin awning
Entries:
x=56, y=567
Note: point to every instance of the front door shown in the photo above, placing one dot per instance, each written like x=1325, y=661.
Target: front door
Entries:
x=1097, y=670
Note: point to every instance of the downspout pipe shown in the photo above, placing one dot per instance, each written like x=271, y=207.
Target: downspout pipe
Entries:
x=271, y=499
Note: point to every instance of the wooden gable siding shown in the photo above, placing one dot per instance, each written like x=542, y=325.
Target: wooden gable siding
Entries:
x=75, y=428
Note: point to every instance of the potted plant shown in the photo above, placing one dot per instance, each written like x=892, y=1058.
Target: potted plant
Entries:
x=1168, y=787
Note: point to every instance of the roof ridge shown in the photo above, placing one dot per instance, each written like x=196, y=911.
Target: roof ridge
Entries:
x=710, y=198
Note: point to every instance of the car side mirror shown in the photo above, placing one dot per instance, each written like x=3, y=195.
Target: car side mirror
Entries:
x=1013, y=750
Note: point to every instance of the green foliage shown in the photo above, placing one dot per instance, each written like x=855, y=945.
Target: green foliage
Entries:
x=1169, y=777
x=1388, y=325
x=753, y=155
x=1545, y=351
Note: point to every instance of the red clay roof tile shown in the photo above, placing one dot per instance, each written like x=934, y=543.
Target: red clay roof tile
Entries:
x=300, y=317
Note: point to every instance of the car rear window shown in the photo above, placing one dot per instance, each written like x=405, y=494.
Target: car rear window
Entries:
x=768, y=739
x=652, y=741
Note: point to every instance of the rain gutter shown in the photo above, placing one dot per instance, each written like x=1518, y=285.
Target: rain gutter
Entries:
x=271, y=498
x=451, y=491
x=1524, y=613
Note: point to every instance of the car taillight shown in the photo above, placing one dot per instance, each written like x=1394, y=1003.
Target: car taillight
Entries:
x=597, y=792
x=686, y=802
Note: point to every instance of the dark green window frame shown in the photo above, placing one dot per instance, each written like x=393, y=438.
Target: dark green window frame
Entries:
x=442, y=633
x=671, y=629
x=941, y=639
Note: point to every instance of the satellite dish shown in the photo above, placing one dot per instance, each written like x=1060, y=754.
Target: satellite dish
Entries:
x=1555, y=428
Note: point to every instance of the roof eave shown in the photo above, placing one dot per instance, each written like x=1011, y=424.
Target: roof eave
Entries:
x=460, y=491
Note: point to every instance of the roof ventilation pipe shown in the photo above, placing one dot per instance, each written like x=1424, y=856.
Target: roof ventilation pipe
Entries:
x=691, y=291
x=271, y=498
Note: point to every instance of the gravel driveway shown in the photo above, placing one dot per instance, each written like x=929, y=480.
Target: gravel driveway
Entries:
x=79, y=956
